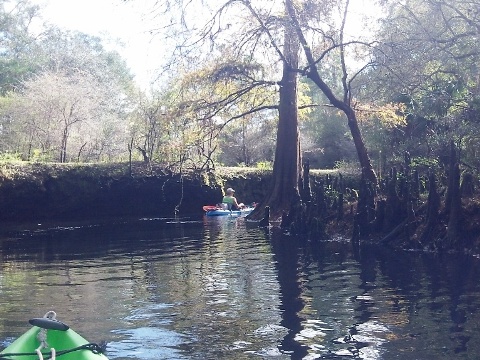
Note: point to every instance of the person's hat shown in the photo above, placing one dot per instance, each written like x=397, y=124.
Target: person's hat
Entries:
x=230, y=190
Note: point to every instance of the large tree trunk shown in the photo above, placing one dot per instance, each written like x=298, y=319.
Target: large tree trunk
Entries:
x=287, y=167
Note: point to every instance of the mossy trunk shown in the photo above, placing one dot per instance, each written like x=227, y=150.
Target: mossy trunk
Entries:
x=287, y=164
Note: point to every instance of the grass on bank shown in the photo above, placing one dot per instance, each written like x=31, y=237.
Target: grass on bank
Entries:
x=22, y=170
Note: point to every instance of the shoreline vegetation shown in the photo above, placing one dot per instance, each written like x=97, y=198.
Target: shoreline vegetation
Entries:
x=409, y=209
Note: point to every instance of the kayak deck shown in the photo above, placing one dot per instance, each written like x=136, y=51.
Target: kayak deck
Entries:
x=68, y=345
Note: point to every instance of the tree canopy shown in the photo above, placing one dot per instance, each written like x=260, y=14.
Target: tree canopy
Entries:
x=407, y=79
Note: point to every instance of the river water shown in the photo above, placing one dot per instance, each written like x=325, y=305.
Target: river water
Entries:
x=219, y=288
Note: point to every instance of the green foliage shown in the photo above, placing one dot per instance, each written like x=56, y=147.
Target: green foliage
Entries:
x=247, y=141
x=427, y=60
x=221, y=108
x=10, y=157
x=423, y=162
x=229, y=172
x=18, y=46
x=232, y=69
x=213, y=179
x=325, y=134
x=264, y=165
x=39, y=156
x=64, y=96
x=348, y=167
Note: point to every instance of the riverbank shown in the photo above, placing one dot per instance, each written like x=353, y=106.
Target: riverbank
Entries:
x=38, y=191
x=31, y=192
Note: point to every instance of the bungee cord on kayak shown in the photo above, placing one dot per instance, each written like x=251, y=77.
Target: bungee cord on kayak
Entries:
x=42, y=338
x=93, y=347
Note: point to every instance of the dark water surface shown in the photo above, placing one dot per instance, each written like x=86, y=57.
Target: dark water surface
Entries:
x=218, y=289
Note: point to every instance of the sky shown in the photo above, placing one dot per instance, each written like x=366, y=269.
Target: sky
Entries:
x=124, y=24
x=127, y=22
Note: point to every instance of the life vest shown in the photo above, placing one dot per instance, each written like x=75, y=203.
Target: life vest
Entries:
x=229, y=201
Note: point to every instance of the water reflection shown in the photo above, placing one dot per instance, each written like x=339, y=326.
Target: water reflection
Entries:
x=379, y=304
x=154, y=288
x=217, y=288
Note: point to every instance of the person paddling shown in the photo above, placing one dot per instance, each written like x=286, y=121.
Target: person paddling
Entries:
x=230, y=200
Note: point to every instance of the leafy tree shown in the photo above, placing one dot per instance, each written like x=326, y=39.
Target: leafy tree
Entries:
x=75, y=110
x=248, y=141
x=64, y=118
x=165, y=130
x=427, y=60
x=66, y=98
x=70, y=51
x=17, y=44
x=203, y=103
x=331, y=45
x=270, y=36
x=147, y=127
x=326, y=140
